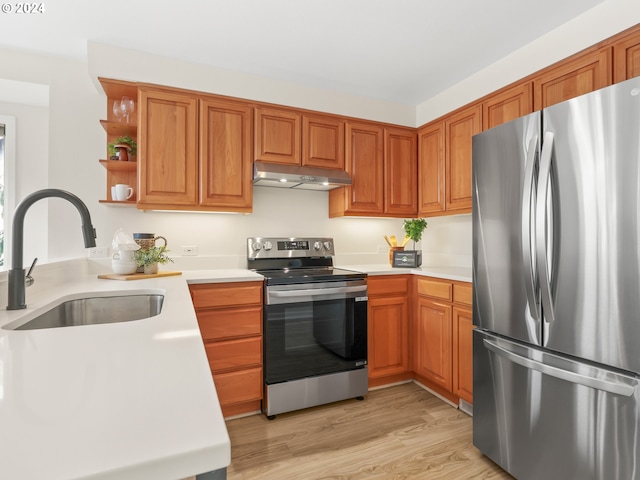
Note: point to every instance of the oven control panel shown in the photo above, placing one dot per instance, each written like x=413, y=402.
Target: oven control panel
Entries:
x=283, y=247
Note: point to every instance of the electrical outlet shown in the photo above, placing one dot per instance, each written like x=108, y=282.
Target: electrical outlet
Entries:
x=382, y=248
x=188, y=250
x=99, y=252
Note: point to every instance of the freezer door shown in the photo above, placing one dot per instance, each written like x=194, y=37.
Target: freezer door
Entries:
x=505, y=168
x=543, y=416
x=592, y=227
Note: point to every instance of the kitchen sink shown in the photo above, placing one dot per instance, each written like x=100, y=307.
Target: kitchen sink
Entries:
x=93, y=311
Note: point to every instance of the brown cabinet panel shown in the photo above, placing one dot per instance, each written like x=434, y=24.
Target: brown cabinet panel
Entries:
x=388, y=285
x=434, y=288
x=234, y=354
x=463, y=353
x=463, y=293
x=401, y=172
x=167, y=148
x=364, y=162
x=507, y=105
x=388, y=349
x=626, y=57
x=570, y=78
x=225, y=155
x=218, y=324
x=209, y=295
x=277, y=136
x=431, y=169
x=323, y=142
x=460, y=127
x=433, y=347
x=239, y=386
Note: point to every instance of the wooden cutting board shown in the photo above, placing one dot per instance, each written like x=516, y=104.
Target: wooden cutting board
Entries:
x=136, y=276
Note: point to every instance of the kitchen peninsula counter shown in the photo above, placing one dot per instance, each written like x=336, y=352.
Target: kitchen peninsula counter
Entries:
x=130, y=400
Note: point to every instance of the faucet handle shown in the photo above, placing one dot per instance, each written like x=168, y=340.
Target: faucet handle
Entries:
x=28, y=280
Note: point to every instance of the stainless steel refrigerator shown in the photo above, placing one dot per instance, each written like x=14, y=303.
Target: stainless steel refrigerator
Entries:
x=556, y=278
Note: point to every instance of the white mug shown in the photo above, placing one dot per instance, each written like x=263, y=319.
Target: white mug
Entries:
x=121, y=192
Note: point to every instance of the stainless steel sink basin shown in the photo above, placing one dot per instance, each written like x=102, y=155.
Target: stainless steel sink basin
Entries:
x=96, y=310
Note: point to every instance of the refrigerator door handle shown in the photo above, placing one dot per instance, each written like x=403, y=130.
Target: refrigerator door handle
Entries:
x=573, y=377
x=528, y=228
x=542, y=211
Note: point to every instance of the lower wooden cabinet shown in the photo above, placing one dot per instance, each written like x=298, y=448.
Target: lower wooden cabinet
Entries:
x=442, y=337
x=230, y=320
x=388, y=323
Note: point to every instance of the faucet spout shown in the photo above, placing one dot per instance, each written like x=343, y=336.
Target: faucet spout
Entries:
x=16, y=299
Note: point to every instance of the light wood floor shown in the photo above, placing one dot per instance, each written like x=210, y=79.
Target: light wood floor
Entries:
x=395, y=433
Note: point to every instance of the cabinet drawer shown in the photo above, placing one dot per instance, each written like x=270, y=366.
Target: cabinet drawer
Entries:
x=229, y=323
x=387, y=285
x=435, y=288
x=231, y=354
x=226, y=294
x=463, y=293
x=240, y=386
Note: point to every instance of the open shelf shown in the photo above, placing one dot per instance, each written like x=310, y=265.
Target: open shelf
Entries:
x=119, y=129
x=118, y=166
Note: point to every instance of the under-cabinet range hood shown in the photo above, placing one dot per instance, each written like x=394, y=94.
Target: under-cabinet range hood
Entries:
x=295, y=176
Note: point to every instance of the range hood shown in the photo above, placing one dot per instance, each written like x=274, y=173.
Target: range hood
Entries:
x=295, y=176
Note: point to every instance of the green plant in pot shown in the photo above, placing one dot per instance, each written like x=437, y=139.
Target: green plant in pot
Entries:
x=149, y=258
x=413, y=229
x=126, y=146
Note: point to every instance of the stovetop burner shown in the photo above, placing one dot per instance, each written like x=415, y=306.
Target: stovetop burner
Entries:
x=295, y=260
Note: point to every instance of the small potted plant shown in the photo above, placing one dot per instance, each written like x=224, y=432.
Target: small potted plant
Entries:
x=122, y=148
x=149, y=258
x=413, y=229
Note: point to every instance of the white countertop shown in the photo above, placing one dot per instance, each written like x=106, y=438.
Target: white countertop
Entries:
x=461, y=274
x=130, y=400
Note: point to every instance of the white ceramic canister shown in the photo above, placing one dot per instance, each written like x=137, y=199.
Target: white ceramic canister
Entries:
x=122, y=262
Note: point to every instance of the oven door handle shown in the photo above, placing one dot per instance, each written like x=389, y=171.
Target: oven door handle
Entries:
x=316, y=292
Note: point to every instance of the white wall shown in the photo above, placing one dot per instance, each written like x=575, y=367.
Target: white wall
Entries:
x=601, y=22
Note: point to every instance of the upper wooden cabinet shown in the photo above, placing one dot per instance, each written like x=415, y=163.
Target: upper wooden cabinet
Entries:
x=168, y=149
x=365, y=164
x=278, y=136
x=400, y=172
x=431, y=169
x=507, y=105
x=293, y=138
x=190, y=160
x=323, y=141
x=460, y=127
x=382, y=165
x=626, y=57
x=571, y=78
x=225, y=155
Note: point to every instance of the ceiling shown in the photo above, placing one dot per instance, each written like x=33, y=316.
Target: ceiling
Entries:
x=404, y=51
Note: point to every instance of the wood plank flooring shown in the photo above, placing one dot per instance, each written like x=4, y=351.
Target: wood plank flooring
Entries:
x=400, y=432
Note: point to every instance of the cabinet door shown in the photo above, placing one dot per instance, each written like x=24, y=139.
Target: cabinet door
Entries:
x=626, y=57
x=431, y=169
x=323, y=142
x=168, y=149
x=433, y=342
x=364, y=162
x=583, y=74
x=401, y=172
x=277, y=136
x=460, y=127
x=463, y=354
x=507, y=105
x=225, y=156
x=388, y=349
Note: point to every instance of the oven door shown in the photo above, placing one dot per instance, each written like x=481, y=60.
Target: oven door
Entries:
x=314, y=329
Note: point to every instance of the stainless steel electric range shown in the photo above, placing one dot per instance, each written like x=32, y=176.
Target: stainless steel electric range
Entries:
x=314, y=324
